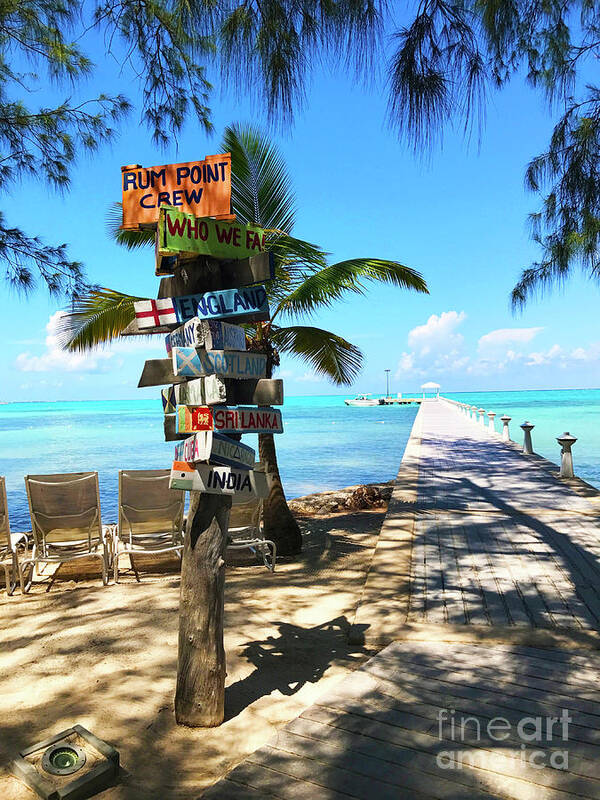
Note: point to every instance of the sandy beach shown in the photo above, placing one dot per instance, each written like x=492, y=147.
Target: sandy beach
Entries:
x=106, y=657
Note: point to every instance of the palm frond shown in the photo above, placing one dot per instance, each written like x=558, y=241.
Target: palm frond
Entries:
x=96, y=318
x=329, y=284
x=261, y=186
x=328, y=354
x=132, y=240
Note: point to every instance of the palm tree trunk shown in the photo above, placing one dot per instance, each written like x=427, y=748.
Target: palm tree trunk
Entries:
x=280, y=524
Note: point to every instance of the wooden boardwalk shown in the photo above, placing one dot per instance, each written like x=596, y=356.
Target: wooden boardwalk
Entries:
x=479, y=539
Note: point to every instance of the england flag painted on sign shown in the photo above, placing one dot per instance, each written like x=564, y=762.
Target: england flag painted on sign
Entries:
x=152, y=313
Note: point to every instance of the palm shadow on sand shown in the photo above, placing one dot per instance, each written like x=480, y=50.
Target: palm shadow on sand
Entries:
x=285, y=663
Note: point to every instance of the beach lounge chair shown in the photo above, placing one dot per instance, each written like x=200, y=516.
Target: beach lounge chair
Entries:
x=150, y=516
x=246, y=530
x=9, y=542
x=66, y=521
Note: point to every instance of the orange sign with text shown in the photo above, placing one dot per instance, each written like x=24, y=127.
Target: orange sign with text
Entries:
x=202, y=188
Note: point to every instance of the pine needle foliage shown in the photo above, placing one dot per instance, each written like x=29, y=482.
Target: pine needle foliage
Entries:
x=160, y=45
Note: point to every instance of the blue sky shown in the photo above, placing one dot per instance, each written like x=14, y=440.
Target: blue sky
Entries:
x=458, y=216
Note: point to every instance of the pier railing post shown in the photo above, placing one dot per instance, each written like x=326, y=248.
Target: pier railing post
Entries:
x=504, y=419
x=566, y=441
x=474, y=413
x=527, y=427
x=491, y=415
x=482, y=417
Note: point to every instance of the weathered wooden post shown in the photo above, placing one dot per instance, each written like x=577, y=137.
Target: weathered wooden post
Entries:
x=201, y=671
x=474, y=413
x=505, y=432
x=491, y=415
x=482, y=417
x=527, y=427
x=215, y=269
x=566, y=442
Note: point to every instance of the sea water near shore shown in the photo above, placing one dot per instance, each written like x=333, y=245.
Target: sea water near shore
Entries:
x=326, y=445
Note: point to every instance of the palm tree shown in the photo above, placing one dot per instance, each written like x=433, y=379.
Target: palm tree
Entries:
x=304, y=282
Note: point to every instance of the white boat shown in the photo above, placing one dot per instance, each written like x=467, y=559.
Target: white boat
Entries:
x=364, y=400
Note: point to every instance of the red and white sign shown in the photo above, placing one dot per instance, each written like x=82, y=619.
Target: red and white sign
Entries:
x=263, y=419
x=150, y=313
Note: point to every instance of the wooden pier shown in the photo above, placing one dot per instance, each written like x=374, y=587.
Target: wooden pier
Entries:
x=483, y=602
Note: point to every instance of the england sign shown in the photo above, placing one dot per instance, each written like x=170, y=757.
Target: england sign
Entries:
x=195, y=363
x=216, y=448
x=243, y=483
x=228, y=420
x=234, y=305
x=202, y=188
x=180, y=234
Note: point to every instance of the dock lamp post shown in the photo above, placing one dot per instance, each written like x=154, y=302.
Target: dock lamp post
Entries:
x=387, y=383
x=566, y=441
x=527, y=427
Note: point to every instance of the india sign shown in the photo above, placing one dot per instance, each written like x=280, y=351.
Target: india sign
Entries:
x=180, y=233
x=202, y=188
x=195, y=363
x=228, y=420
x=216, y=448
x=209, y=333
x=244, y=483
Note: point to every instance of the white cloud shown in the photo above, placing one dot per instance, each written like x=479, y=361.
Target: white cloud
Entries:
x=54, y=359
x=310, y=377
x=435, y=347
x=437, y=335
x=501, y=338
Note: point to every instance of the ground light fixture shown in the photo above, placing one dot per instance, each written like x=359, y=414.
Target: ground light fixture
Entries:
x=72, y=765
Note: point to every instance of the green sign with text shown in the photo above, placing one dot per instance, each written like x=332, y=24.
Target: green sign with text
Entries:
x=180, y=234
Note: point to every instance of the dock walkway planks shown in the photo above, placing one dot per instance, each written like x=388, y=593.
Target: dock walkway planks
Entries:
x=479, y=534
x=414, y=722
x=480, y=538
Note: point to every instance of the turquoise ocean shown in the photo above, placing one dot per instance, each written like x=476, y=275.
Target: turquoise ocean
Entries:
x=326, y=445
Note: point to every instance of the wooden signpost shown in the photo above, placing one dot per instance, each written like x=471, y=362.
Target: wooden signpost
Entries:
x=208, y=391
x=216, y=448
x=213, y=334
x=214, y=390
x=198, y=187
x=235, y=305
x=158, y=372
x=246, y=483
x=192, y=362
x=207, y=274
x=186, y=236
x=228, y=420
x=215, y=271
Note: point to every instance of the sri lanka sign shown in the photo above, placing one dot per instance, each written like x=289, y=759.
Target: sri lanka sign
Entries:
x=202, y=188
x=191, y=419
x=185, y=233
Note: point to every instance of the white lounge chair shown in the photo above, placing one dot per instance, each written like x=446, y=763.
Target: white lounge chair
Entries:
x=9, y=543
x=246, y=530
x=150, y=516
x=66, y=521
